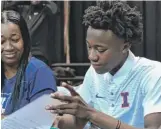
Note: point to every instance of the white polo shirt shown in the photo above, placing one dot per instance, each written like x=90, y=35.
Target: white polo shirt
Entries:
x=132, y=93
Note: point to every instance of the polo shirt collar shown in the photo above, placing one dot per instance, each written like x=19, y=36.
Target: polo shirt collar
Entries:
x=123, y=72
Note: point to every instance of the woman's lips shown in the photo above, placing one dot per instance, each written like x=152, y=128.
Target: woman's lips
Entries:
x=10, y=55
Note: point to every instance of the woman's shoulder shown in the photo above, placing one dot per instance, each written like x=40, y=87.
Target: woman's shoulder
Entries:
x=34, y=65
x=37, y=63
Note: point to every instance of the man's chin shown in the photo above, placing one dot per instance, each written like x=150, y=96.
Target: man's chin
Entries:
x=100, y=71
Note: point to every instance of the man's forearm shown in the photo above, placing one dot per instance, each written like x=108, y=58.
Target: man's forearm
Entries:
x=104, y=121
x=71, y=122
x=2, y=116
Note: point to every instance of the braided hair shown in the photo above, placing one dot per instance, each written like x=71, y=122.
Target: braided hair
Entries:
x=117, y=16
x=15, y=18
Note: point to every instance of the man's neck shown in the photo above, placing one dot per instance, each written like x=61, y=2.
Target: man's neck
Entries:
x=113, y=72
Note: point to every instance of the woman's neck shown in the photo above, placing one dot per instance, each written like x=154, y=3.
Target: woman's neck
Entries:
x=10, y=71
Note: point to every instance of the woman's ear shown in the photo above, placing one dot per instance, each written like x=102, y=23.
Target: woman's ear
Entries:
x=126, y=47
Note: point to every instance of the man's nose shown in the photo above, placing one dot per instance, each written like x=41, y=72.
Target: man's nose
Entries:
x=93, y=55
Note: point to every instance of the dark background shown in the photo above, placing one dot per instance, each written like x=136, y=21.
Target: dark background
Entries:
x=150, y=47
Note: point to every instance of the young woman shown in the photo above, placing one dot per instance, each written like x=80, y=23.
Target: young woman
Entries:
x=23, y=79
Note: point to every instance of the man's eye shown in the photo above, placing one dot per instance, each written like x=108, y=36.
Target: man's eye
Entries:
x=101, y=50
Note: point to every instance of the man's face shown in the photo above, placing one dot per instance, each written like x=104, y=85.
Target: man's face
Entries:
x=105, y=49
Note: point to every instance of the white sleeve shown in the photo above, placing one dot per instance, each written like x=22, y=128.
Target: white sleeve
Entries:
x=85, y=90
x=152, y=93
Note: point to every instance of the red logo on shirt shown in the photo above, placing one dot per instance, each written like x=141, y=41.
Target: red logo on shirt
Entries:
x=125, y=99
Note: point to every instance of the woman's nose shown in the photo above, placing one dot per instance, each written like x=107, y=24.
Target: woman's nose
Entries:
x=8, y=46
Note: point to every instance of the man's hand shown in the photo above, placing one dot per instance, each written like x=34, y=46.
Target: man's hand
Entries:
x=75, y=105
x=74, y=113
x=56, y=122
x=2, y=116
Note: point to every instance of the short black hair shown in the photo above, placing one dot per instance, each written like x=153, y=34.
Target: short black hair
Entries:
x=117, y=16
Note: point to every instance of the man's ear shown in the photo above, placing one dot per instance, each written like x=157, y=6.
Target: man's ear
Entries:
x=126, y=47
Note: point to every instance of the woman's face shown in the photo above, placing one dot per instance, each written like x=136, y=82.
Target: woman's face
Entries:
x=12, y=45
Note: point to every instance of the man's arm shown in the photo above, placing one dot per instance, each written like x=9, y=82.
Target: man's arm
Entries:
x=84, y=113
x=152, y=121
x=70, y=122
x=2, y=116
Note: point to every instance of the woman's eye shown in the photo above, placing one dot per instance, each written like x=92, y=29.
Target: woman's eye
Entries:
x=15, y=40
x=89, y=47
x=2, y=41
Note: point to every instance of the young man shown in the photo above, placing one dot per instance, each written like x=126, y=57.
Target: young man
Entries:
x=120, y=90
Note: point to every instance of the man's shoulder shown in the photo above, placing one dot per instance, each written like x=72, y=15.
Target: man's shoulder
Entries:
x=147, y=65
x=149, y=70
